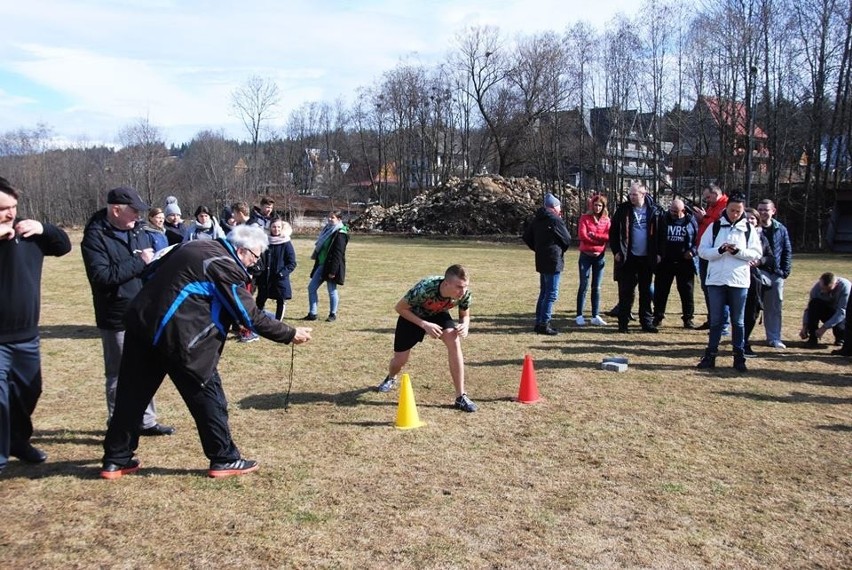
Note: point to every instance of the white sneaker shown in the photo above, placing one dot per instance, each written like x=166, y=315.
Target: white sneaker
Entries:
x=580, y=320
x=777, y=344
x=598, y=321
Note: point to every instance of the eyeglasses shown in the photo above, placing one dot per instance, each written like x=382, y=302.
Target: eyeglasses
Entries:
x=253, y=254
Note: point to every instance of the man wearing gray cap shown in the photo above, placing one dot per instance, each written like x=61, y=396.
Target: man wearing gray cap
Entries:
x=547, y=235
x=116, y=250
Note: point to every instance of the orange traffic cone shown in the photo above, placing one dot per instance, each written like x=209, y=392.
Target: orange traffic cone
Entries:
x=406, y=413
x=528, y=391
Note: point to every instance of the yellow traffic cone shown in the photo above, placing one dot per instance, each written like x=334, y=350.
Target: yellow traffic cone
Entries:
x=406, y=413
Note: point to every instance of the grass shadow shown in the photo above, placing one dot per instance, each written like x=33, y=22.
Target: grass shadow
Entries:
x=69, y=331
x=792, y=398
x=373, y=424
x=90, y=437
x=836, y=427
x=275, y=400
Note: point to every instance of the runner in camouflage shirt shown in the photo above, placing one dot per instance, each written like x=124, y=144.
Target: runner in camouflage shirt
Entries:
x=425, y=309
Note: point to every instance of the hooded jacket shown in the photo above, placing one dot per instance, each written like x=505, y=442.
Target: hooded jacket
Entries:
x=727, y=269
x=112, y=267
x=189, y=302
x=548, y=237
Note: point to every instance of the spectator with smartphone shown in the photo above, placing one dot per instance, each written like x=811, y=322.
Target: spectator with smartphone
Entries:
x=729, y=246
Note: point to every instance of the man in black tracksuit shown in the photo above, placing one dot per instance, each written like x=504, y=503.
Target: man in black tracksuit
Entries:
x=678, y=249
x=177, y=325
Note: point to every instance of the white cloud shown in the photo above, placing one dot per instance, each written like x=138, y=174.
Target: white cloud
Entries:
x=177, y=62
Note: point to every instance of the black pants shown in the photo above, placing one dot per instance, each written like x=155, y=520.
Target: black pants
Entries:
x=634, y=271
x=702, y=275
x=142, y=371
x=683, y=272
x=820, y=311
x=753, y=307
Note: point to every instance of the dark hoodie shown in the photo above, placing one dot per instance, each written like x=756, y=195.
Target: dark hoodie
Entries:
x=547, y=235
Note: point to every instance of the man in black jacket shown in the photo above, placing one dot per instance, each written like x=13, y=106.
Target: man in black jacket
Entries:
x=116, y=250
x=177, y=325
x=633, y=239
x=23, y=245
x=548, y=237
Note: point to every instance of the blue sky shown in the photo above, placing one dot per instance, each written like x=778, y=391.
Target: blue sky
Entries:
x=88, y=68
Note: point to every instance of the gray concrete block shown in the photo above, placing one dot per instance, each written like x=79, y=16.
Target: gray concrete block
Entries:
x=614, y=366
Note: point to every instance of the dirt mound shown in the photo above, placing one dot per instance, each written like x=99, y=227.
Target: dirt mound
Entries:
x=482, y=205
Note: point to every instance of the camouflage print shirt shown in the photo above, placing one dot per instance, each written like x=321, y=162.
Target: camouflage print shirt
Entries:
x=425, y=298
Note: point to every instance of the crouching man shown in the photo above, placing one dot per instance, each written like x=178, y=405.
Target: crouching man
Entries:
x=177, y=325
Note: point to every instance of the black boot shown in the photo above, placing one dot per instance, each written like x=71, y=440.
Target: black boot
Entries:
x=707, y=361
x=546, y=329
x=740, y=362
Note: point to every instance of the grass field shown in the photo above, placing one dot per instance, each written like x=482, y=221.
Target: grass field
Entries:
x=659, y=467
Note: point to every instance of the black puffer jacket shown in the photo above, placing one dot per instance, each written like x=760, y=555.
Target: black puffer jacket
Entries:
x=547, y=235
x=190, y=301
x=112, y=268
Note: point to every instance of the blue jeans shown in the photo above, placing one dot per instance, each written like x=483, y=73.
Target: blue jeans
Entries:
x=595, y=265
x=20, y=388
x=313, y=297
x=547, y=295
x=722, y=298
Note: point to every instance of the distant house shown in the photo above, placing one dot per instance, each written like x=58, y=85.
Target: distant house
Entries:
x=628, y=150
x=318, y=169
x=713, y=143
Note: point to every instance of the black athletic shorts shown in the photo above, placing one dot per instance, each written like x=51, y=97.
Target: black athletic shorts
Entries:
x=408, y=334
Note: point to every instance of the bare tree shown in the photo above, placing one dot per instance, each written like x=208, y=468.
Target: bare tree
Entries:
x=145, y=157
x=482, y=57
x=210, y=167
x=621, y=93
x=817, y=24
x=255, y=103
x=656, y=27
x=583, y=57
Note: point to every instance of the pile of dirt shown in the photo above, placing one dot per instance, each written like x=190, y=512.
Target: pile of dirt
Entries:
x=482, y=205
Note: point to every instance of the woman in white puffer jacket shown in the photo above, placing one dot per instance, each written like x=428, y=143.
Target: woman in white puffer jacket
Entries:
x=728, y=246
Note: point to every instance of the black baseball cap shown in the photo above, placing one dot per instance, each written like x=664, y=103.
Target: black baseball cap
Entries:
x=129, y=196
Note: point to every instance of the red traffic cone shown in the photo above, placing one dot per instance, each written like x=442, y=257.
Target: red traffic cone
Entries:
x=528, y=391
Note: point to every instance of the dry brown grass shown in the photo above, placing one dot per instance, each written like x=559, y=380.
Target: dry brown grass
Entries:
x=662, y=466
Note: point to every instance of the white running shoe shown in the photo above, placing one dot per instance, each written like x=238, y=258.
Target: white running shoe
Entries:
x=598, y=321
x=777, y=344
x=580, y=320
